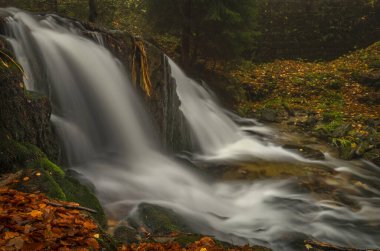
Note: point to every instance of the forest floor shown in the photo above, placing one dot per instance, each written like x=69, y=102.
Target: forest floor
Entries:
x=337, y=101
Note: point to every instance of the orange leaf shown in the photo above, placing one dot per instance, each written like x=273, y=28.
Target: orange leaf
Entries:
x=91, y=242
x=33, y=246
x=10, y=235
x=35, y=213
x=89, y=225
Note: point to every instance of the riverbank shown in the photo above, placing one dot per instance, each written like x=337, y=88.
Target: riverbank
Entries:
x=337, y=102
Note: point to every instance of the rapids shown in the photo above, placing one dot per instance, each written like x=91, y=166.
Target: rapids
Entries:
x=104, y=126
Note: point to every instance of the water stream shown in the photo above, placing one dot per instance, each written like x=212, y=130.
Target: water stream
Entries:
x=106, y=132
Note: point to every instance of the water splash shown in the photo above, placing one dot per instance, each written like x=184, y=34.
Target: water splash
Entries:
x=103, y=125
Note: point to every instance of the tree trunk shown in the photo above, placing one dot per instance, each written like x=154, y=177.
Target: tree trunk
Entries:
x=186, y=32
x=92, y=12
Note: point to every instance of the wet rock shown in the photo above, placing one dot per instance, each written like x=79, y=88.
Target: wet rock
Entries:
x=125, y=234
x=290, y=111
x=306, y=152
x=163, y=103
x=269, y=115
x=307, y=122
x=158, y=220
x=346, y=148
x=373, y=156
x=24, y=115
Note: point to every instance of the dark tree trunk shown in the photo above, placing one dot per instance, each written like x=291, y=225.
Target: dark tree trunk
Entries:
x=92, y=12
x=186, y=32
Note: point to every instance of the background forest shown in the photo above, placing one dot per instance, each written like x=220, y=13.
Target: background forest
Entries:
x=258, y=30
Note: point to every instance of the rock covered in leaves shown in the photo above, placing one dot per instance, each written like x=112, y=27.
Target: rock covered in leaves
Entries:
x=33, y=222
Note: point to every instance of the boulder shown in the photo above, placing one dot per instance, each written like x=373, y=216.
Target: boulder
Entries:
x=306, y=152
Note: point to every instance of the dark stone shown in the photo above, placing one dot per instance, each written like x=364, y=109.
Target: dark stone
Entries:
x=158, y=220
x=269, y=115
x=305, y=151
x=290, y=111
x=125, y=234
x=309, y=122
x=373, y=156
x=25, y=116
x=164, y=103
x=371, y=79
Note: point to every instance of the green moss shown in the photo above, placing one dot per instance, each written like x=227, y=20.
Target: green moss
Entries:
x=332, y=116
x=31, y=95
x=345, y=146
x=334, y=119
x=185, y=240
x=125, y=234
x=49, y=166
x=40, y=181
x=160, y=220
x=76, y=192
x=50, y=187
x=13, y=153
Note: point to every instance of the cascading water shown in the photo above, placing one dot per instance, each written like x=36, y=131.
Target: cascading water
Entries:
x=102, y=124
x=217, y=135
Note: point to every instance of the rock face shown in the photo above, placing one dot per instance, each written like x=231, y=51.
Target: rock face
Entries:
x=28, y=142
x=24, y=115
x=163, y=103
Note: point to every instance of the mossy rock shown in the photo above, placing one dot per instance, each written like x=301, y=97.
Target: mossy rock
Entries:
x=124, y=234
x=158, y=220
x=13, y=153
x=345, y=147
x=77, y=192
x=306, y=152
x=373, y=156
x=45, y=176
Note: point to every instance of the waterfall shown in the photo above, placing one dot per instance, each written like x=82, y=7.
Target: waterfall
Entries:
x=105, y=129
x=217, y=135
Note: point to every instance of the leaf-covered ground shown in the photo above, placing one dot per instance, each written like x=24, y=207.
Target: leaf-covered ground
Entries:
x=33, y=222
x=317, y=86
x=330, y=96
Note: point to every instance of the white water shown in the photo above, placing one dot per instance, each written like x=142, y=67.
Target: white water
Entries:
x=102, y=124
x=217, y=135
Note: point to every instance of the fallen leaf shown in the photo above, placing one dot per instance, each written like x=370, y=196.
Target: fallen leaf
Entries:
x=35, y=213
x=10, y=235
x=17, y=242
x=93, y=243
x=89, y=225
x=308, y=246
